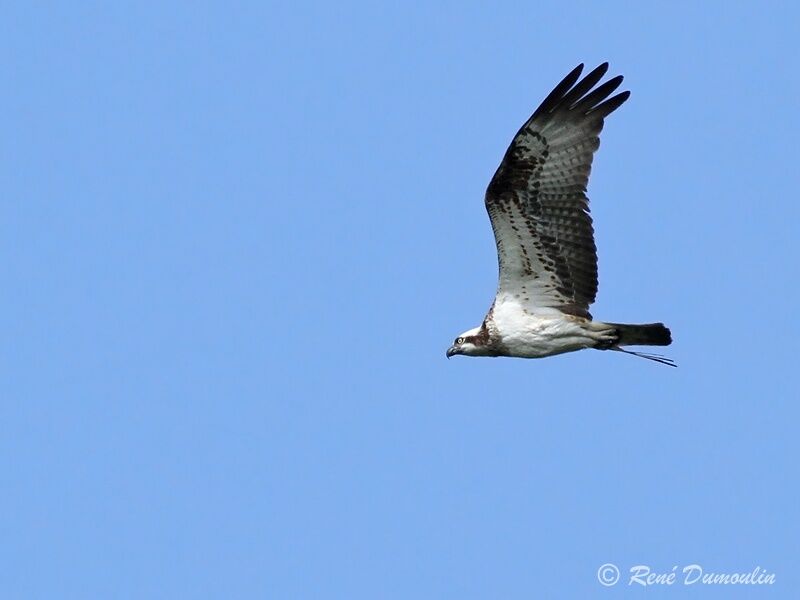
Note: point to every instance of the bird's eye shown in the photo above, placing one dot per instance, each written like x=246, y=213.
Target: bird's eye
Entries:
x=459, y=340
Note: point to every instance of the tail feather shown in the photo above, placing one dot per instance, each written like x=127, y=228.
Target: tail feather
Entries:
x=652, y=334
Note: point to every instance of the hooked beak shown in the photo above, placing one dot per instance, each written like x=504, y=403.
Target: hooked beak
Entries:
x=451, y=351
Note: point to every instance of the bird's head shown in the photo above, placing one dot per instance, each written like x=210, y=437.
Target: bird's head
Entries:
x=469, y=343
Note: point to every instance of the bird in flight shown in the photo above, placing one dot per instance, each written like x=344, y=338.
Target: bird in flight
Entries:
x=539, y=211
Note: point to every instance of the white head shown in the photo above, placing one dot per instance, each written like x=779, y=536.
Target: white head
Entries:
x=471, y=343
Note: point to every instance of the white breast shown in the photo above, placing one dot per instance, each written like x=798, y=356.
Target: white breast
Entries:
x=535, y=335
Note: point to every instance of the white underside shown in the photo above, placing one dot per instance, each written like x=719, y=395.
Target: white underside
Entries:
x=528, y=333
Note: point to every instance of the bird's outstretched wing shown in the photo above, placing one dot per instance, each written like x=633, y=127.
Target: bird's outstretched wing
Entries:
x=537, y=199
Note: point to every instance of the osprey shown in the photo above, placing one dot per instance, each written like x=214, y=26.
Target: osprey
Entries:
x=539, y=211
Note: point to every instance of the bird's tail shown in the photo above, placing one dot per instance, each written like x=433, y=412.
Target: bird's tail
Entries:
x=652, y=334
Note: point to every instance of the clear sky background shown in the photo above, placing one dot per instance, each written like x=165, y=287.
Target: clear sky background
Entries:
x=237, y=239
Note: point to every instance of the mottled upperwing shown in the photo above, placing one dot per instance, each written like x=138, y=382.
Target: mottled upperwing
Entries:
x=537, y=199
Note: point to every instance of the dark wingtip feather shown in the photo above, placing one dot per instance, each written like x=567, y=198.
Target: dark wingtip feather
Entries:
x=589, y=101
x=602, y=69
x=554, y=97
x=574, y=93
x=610, y=105
x=585, y=84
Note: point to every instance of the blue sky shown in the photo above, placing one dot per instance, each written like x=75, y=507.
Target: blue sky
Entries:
x=237, y=239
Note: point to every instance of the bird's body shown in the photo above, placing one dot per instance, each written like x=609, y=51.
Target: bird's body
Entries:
x=511, y=330
x=536, y=336
x=539, y=212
